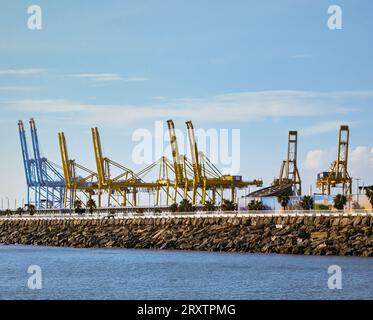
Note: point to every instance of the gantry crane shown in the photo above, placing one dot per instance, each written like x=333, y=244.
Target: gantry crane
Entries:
x=289, y=173
x=289, y=180
x=45, y=183
x=126, y=181
x=189, y=180
x=29, y=166
x=207, y=177
x=337, y=175
x=86, y=185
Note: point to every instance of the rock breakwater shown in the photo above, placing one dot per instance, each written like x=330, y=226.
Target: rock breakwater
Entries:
x=307, y=235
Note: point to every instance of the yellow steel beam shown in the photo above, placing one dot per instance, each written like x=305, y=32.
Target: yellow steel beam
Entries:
x=175, y=152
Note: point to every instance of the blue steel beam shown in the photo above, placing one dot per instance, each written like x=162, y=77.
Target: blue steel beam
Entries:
x=43, y=178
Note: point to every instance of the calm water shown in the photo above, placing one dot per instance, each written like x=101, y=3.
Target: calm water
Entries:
x=146, y=274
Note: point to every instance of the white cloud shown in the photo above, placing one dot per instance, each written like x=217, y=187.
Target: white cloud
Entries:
x=135, y=79
x=301, y=56
x=18, y=88
x=243, y=107
x=106, y=77
x=23, y=72
x=323, y=127
x=316, y=160
x=51, y=106
x=360, y=163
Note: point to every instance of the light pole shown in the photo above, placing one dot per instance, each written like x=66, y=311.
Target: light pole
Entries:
x=7, y=201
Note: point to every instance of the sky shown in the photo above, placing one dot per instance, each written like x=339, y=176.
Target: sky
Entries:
x=262, y=67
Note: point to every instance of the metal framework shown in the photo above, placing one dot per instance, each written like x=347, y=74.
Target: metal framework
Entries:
x=289, y=179
x=289, y=173
x=196, y=180
x=45, y=183
x=208, y=181
x=76, y=185
x=337, y=175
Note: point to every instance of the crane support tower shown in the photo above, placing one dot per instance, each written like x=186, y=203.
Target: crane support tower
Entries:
x=337, y=175
x=289, y=180
x=289, y=173
x=76, y=185
x=45, y=182
x=197, y=180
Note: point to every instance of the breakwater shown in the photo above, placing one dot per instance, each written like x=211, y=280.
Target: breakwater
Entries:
x=309, y=235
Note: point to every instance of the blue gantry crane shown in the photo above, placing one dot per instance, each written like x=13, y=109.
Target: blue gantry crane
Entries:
x=45, y=182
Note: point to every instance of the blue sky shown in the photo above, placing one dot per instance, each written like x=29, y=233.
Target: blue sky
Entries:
x=264, y=67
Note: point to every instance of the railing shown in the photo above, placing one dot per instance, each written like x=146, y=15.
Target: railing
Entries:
x=110, y=214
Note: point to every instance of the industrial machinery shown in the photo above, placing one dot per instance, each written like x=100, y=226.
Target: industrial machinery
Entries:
x=76, y=185
x=106, y=181
x=196, y=180
x=45, y=183
x=118, y=181
x=337, y=175
x=289, y=180
x=208, y=180
x=289, y=174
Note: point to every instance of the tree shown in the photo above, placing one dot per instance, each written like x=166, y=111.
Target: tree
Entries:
x=31, y=209
x=209, y=206
x=306, y=202
x=340, y=201
x=173, y=207
x=255, y=205
x=185, y=206
x=283, y=199
x=19, y=211
x=78, y=206
x=228, y=205
x=369, y=193
x=91, y=204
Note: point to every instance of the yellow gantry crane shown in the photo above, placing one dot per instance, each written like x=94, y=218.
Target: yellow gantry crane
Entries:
x=126, y=181
x=112, y=185
x=289, y=173
x=196, y=180
x=337, y=175
x=289, y=179
x=207, y=177
x=75, y=183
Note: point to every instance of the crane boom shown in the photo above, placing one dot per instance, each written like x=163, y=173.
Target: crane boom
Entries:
x=65, y=159
x=194, y=152
x=25, y=154
x=37, y=156
x=99, y=157
x=175, y=152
